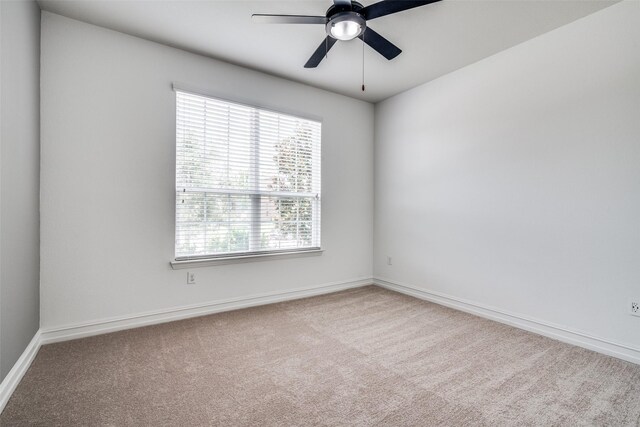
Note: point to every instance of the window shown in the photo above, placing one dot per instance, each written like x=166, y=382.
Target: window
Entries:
x=247, y=180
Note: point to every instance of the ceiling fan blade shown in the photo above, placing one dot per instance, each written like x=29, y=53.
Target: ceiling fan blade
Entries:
x=342, y=2
x=381, y=45
x=320, y=52
x=388, y=7
x=288, y=19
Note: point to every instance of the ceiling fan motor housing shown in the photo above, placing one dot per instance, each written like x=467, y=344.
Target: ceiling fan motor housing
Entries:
x=344, y=22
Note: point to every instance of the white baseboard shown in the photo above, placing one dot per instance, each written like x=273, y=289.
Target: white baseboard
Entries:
x=600, y=345
x=11, y=381
x=70, y=332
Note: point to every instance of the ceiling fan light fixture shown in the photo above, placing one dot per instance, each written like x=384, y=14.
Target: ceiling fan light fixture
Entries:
x=345, y=26
x=345, y=30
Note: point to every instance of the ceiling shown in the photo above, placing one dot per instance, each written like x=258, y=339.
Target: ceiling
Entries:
x=436, y=39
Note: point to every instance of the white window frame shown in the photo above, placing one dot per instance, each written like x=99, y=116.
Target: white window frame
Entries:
x=254, y=253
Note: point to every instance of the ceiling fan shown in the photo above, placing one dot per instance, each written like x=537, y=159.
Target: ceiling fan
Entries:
x=346, y=20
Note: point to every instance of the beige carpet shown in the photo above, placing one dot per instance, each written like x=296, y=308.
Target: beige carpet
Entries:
x=363, y=357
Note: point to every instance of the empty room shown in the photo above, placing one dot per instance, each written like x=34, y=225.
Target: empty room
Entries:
x=320, y=213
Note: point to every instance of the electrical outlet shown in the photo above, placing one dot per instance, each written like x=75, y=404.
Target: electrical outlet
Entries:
x=635, y=308
x=191, y=278
x=389, y=260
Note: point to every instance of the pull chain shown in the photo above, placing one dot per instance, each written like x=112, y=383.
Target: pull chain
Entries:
x=363, y=62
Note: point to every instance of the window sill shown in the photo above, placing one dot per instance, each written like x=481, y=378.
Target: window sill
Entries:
x=238, y=259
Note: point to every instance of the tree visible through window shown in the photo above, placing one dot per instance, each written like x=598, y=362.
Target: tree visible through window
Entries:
x=247, y=179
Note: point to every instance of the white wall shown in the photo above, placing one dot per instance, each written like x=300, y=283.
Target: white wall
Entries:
x=19, y=178
x=514, y=183
x=108, y=146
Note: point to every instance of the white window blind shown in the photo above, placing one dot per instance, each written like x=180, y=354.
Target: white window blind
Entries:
x=247, y=179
